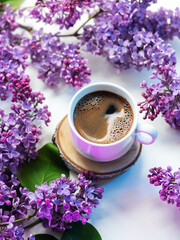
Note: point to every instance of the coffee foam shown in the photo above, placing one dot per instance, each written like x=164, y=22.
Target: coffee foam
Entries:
x=103, y=117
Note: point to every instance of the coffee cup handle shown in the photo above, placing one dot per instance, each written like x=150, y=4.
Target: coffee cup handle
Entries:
x=145, y=133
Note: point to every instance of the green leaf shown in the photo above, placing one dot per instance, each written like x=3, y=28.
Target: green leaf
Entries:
x=81, y=232
x=47, y=167
x=44, y=237
x=13, y=3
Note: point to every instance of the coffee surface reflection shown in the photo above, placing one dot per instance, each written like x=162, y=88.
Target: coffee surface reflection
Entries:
x=103, y=117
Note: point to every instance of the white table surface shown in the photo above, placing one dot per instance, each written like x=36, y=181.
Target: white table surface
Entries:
x=131, y=208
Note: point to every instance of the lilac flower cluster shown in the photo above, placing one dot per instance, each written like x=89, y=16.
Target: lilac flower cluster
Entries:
x=13, y=207
x=7, y=18
x=165, y=22
x=123, y=36
x=128, y=37
x=170, y=183
x=163, y=97
x=18, y=130
x=57, y=62
x=19, y=133
x=65, y=13
x=64, y=201
x=58, y=204
x=12, y=55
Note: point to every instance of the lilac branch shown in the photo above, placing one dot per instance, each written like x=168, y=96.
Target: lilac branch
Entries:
x=169, y=182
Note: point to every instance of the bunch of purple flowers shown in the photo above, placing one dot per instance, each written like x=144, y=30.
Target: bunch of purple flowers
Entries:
x=19, y=131
x=14, y=207
x=56, y=61
x=170, y=183
x=65, y=12
x=64, y=201
x=163, y=97
x=57, y=205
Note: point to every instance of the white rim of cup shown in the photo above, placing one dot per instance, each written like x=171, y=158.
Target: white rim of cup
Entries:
x=83, y=89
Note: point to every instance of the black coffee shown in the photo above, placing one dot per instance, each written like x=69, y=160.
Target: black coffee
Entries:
x=103, y=117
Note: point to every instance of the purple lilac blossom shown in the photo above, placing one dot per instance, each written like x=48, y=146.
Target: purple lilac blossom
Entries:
x=121, y=36
x=165, y=22
x=19, y=133
x=65, y=12
x=64, y=201
x=169, y=181
x=58, y=62
x=13, y=206
x=163, y=97
x=58, y=204
x=18, y=130
x=12, y=55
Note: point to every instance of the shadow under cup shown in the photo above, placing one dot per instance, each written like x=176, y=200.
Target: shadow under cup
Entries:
x=111, y=151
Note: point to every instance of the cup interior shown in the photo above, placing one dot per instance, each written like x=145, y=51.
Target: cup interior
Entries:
x=102, y=87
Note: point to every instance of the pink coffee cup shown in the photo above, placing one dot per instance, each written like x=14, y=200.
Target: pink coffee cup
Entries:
x=143, y=133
